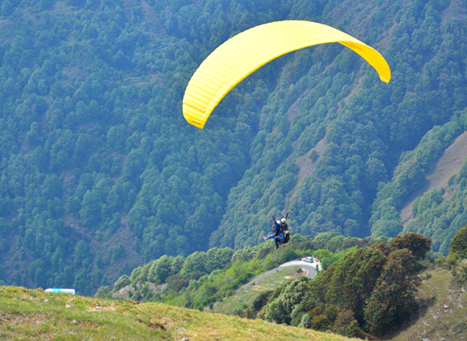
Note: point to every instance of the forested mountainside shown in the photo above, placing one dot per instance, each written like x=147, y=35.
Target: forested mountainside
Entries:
x=101, y=173
x=341, y=147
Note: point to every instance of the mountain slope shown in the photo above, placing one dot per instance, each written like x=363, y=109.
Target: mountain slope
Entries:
x=100, y=173
x=36, y=315
x=443, y=308
x=368, y=126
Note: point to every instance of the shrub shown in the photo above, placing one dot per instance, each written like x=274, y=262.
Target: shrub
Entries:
x=458, y=243
x=121, y=283
x=416, y=243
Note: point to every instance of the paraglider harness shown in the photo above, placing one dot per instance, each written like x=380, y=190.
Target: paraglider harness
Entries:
x=286, y=233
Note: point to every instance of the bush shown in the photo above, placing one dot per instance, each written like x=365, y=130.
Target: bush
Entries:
x=347, y=325
x=458, y=243
x=260, y=301
x=416, y=243
x=305, y=322
x=103, y=292
x=121, y=283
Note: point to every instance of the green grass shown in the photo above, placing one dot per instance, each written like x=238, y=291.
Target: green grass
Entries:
x=244, y=298
x=36, y=315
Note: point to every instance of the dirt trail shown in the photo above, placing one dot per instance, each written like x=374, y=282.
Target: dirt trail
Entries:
x=448, y=165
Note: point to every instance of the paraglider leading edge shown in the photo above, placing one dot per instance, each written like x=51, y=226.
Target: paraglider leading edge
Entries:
x=246, y=52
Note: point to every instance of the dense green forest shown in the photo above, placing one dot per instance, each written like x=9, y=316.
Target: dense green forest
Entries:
x=100, y=173
x=367, y=133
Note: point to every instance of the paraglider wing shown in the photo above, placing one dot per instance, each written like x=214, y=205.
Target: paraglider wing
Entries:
x=246, y=52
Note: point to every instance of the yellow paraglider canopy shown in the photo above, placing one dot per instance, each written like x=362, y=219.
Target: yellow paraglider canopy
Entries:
x=246, y=52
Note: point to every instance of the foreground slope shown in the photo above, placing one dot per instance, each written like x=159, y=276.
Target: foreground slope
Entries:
x=36, y=315
x=443, y=302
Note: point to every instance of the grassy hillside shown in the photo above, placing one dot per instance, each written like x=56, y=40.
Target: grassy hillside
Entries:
x=244, y=297
x=36, y=315
x=443, y=309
